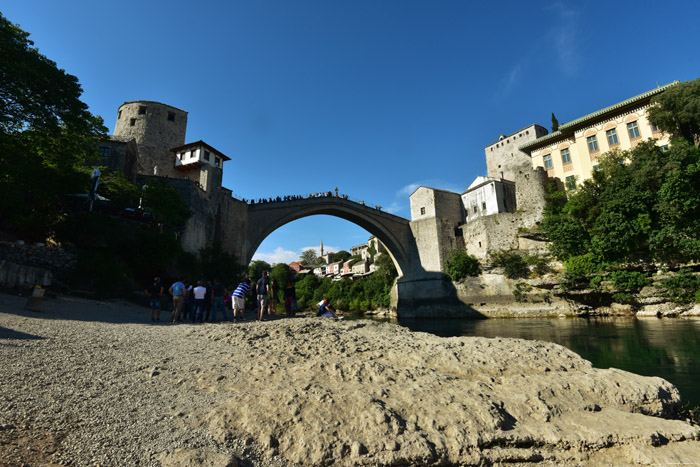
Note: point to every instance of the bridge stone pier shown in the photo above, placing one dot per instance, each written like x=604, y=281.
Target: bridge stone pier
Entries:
x=416, y=292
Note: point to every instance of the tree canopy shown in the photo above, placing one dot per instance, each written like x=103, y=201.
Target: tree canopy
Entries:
x=643, y=205
x=47, y=135
x=678, y=111
x=308, y=256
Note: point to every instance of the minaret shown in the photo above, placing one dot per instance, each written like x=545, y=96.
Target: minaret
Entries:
x=321, y=248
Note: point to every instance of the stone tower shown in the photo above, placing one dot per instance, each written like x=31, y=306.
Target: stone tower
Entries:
x=156, y=128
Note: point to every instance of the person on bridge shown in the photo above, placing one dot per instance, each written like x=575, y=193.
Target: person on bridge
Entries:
x=263, y=290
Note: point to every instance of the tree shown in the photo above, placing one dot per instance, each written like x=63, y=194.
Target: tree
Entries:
x=643, y=205
x=280, y=273
x=678, y=111
x=308, y=256
x=165, y=202
x=47, y=136
x=342, y=256
x=460, y=264
x=256, y=268
x=555, y=123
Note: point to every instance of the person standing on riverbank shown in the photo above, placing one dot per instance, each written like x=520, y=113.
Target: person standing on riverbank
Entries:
x=177, y=290
x=218, y=300
x=200, y=294
x=239, y=294
x=290, y=297
x=263, y=290
x=155, y=291
x=274, y=298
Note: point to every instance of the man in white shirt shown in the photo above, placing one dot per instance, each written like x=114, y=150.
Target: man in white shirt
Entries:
x=200, y=293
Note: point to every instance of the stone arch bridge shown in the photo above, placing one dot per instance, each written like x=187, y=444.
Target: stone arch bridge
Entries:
x=415, y=289
x=393, y=231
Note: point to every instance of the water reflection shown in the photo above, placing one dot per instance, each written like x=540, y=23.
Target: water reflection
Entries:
x=668, y=348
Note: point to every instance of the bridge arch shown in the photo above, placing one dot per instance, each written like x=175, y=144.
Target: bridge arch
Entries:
x=393, y=231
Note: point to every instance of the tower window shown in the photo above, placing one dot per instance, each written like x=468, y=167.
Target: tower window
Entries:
x=119, y=115
x=142, y=110
x=132, y=122
x=217, y=162
x=422, y=211
x=483, y=206
x=105, y=151
x=206, y=155
x=171, y=116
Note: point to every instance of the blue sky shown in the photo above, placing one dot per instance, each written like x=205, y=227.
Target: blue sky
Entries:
x=373, y=97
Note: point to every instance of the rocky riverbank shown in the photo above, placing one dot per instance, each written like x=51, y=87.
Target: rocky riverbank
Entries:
x=95, y=383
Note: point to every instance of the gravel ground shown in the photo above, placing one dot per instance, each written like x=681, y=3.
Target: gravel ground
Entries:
x=82, y=383
x=96, y=383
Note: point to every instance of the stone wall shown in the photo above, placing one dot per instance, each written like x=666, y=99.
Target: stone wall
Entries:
x=487, y=235
x=123, y=156
x=435, y=239
x=24, y=266
x=232, y=224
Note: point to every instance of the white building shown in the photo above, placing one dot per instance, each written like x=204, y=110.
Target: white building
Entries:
x=487, y=196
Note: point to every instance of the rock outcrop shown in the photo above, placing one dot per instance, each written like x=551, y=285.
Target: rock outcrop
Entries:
x=354, y=393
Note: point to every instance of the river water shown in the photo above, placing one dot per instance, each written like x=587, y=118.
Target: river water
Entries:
x=668, y=348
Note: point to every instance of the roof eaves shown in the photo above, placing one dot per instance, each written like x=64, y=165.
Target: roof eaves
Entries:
x=619, y=105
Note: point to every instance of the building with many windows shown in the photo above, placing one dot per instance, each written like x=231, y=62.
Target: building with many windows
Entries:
x=570, y=154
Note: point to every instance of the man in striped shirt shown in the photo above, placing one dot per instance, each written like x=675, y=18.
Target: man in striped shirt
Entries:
x=239, y=298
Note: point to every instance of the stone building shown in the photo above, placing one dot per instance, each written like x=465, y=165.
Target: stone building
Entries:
x=570, y=155
x=155, y=128
x=149, y=146
x=435, y=218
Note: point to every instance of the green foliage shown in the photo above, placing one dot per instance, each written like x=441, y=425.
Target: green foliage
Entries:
x=630, y=281
x=218, y=264
x=520, y=291
x=308, y=256
x=256, y=268
x=596, y=283
x=47, y=136
x=115, y=187
x=459, y=265
x=514, y=266
x=643, y=205
x=280, y=273
x=682, y=287
x=577, y=269
x=102, y=243
x=623, y=297
x=539, y=264
x=161, y=198
x=678, y=111
x=342, y=256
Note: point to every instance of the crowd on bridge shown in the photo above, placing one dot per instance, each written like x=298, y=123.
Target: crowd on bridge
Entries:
x=321, y=194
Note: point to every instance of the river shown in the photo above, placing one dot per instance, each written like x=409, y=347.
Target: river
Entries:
x=668, y=348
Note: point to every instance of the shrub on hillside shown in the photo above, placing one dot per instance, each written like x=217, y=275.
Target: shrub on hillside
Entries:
x=683, y=287
x=460, y=264
x=514, y=266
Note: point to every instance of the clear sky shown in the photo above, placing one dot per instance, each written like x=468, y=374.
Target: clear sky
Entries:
x=373, y=97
